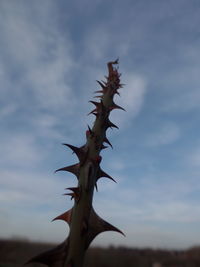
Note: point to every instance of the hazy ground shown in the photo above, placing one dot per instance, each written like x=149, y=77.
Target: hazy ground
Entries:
x=16, y=253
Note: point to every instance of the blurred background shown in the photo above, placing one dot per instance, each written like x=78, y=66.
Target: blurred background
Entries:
x=51, y=54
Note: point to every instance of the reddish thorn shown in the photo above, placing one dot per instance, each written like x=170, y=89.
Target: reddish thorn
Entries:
x=75, y=194
x=66, y=216
x=72, y=168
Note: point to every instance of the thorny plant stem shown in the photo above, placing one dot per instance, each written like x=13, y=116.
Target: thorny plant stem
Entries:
x=83, y=221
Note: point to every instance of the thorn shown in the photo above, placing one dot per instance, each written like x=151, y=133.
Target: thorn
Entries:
x=72, y=168
x=76, y=193
x=114, y=62
x=99, y=107
x=94, y=103
x=89, y=132
x=116, y=92
x=97, y=225
x=66, y=216
x=94, y=111
x=101, y=173
x=107, y=142
x=80, y=153
x=74, y=189
x=105, y=83
x=110, y=124
x=103, y=147
x=115, y=106
x=53, y=257
x=102, y=85
x=70, y=194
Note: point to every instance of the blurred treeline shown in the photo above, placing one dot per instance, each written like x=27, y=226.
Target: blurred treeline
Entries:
x=14, y=253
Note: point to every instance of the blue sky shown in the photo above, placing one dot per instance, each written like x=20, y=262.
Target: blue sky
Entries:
x=51, y=54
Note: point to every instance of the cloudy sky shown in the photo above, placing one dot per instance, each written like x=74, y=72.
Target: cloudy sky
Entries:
x=51, y=54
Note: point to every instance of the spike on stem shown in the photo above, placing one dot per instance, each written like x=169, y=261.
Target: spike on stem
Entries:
x=74, y=169
x=101, y=174
x=79, y=151
x=76, y=193
x=97, y=225
x=66, y=216
x=109, y=124
x=108, y=142
x=115, y=106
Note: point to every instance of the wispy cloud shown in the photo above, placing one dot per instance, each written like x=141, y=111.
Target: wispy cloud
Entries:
x=27, y=197
x=40, y=57
x=132, y=98
x=192, y=158
x=7, y=110
x=165, y=134
x=20, y=150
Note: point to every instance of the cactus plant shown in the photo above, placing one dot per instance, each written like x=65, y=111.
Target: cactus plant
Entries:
x=83, y=221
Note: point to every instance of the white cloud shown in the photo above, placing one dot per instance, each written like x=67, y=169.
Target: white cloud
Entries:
x=162, y=198
x=47, y=125
x=29, y=201
x=98, y=41
x=20, y=150
x=49, y=79
x=183, y=101
x=166, y=134
x=132, y=98
x=23, y=188
x=116, y=164
x=193, y=158
x=144, y=225
x=133, y=92
x=36, y=49
x=174, y=211
x=182, y=82
x=7, y=110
